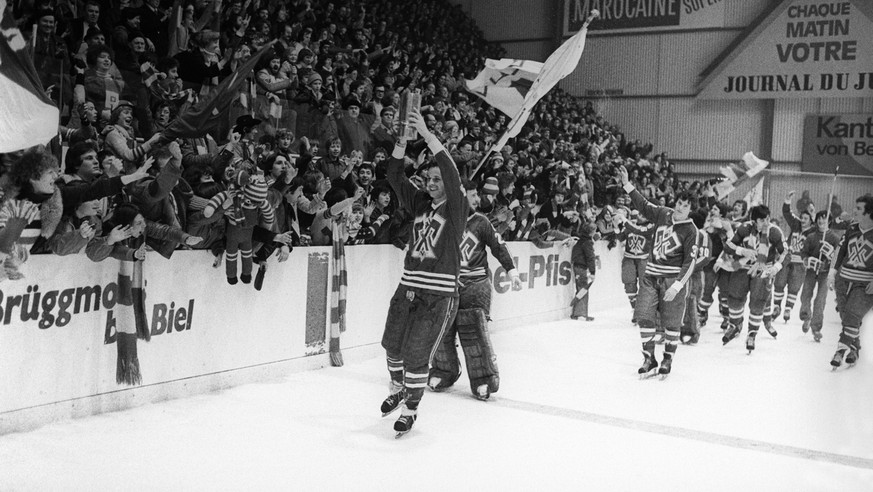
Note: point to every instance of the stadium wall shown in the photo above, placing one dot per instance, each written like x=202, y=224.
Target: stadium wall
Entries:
x=58, y=325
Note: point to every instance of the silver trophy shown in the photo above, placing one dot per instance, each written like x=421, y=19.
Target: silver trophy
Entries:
x=410, y=103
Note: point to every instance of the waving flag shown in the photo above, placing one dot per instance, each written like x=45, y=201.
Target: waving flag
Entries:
x=739, y=173
x=204, y=115
x=559, y=64
x=27, y=116
x=504, y=83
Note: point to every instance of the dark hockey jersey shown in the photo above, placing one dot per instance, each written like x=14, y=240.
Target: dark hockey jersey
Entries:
x=704, y=250
x=812, y=247
x=797, y=236
x=674, y=245
x=637, y=240
x=855, y=258
x=767, y=243
x=474, y=258
x=433, y=259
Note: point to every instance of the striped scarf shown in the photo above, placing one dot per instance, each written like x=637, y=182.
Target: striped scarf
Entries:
x=131, y=321
x=338, y=283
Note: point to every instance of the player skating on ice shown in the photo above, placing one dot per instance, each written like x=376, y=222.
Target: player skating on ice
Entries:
x=426, y=301
x=690, y=332
x=668, y=270
x=720, y=230
x=854, y=280
x=793, y=272
x=637, y=238
x=757, y=250
x=474, y=308
x=818, y=253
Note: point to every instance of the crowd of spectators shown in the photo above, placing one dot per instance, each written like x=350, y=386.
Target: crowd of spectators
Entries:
x=308, y=135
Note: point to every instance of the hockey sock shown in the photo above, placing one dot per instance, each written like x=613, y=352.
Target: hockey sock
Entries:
x=395, y=369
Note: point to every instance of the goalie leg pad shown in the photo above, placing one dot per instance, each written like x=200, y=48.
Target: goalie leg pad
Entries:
x=478, y=353
x=445, y=364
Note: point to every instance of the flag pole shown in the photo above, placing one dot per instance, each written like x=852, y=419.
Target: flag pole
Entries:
x=830, y=199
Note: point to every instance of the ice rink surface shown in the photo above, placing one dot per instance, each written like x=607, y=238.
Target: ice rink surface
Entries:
x=571, y=414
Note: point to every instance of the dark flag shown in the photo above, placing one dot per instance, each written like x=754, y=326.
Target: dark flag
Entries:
x=206, y=114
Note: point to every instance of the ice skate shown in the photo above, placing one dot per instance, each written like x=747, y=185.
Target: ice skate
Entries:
x=702, y=316
x=786, y=315
x=816, y=335
x=750, y=342
x=666, y=365
x=852, y=357
x=837, y=361
x=725, y=322
x=393, y=401
x=482, y=392
x=732, y=332
x=649, y=365
x=805, y=326
x=768, y=325
x=405, y=422
x=777, y=310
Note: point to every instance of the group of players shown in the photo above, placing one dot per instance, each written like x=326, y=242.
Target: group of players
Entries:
x=674, y=259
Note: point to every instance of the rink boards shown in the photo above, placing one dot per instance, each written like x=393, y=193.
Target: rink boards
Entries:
x=57, y=325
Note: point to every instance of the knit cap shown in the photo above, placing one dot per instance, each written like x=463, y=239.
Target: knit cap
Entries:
x=490, y=187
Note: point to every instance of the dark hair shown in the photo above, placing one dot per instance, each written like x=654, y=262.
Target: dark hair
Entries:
x=806, y=212
x=820, y=214
x=745, y=205
x=686, y=196
x=723, y=208
x=73, y=159
x=123, y=215
x=367, y=165
x=94, y=52
x=335, y=195
x=867, y=200
x=759, y=212
x=31, y=165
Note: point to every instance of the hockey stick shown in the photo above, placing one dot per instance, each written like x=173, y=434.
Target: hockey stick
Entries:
x=824, y=233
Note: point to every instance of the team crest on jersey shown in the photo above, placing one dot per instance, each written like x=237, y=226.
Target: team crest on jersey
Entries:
x=859, y=253
x=636, y=244
x=426, y=232
x=468, y=246
x=797, y=241
x=666, y=242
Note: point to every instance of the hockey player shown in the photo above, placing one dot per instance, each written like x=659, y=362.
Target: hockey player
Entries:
x=690, y=332
x=758, y=248
x=793, y=272
x=426, y=300
x=720, y=230
x=668, y=270
x=818, y=252
x=637, y=237
x=474, y=307
x=854, y=280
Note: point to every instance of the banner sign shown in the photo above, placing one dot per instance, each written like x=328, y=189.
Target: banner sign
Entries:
x=643, y=15
x=58, y=337
x=803, y=48
x=844, y=140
